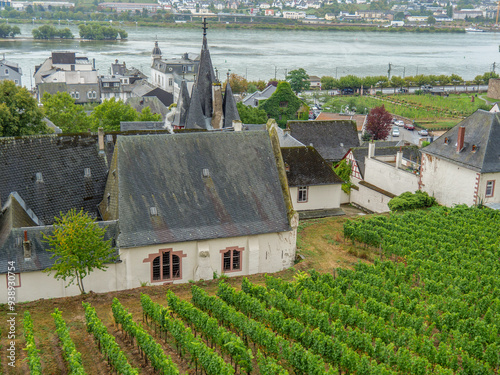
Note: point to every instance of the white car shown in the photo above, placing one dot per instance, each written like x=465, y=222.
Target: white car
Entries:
x=395, y=132
x=423, y=132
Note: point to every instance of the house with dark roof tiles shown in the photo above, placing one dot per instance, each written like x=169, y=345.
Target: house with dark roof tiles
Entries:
x=197, y=203
x=463, y=165
x=315, y=189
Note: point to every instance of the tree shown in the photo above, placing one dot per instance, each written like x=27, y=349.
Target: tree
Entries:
x=238, y=83
x=298, y=79
x=283, y=105
x=456, y=80
x=397, y=81
x=8, y=31
x=251, y=115
x=19, y=111
x=328, y=83
x=147, y=115
x=110, y=113
x=431, y=20
x=349, y=81
x=378, y=123
x=50, y=32
x=78, y=247
x=61, y=109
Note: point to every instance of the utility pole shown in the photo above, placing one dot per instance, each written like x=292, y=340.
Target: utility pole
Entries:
x=389, y=71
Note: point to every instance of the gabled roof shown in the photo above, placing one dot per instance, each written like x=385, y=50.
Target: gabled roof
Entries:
x=154, y=104
x=229, y=107
x=48, y=172
x=332, y=139
x=482, y=130
x=305, y=166
x=203, y=185
x=12, y=249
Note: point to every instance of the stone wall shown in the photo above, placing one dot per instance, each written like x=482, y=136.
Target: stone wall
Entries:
x=494, y=88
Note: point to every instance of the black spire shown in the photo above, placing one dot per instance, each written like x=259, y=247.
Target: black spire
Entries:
x=205, y=46
x=229, y=106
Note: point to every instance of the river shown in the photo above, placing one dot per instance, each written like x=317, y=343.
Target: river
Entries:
x=264, y=54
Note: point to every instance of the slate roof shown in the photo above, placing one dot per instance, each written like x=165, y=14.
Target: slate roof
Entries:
x=205, y=79
x=12, y=249
x=154, y=104
x=332, y=139
x=229, y=107
x=241, y=194
x=360, y=153
x=63, y=57
x=307, y=167
x=482, y=129
x=61, y=160
x=182, y=105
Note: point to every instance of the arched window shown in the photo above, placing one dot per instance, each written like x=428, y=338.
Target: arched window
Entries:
x=166, y=265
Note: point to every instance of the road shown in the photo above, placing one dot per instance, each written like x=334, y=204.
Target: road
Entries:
x=410, y=136
x=389, y=90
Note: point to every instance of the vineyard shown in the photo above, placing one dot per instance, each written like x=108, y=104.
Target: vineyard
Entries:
x=430, y=304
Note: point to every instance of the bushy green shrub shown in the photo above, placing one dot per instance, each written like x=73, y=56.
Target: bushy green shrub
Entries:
x=408, y=201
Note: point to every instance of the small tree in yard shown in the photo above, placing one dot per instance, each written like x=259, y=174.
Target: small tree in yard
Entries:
x=298, y=79
x=79, y=247
x=378, y=123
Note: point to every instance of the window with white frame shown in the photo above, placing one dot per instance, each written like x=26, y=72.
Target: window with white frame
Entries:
x=77, y=95
x=6, y=72
x=490, y=188
x=170, y=81
x=302, y=194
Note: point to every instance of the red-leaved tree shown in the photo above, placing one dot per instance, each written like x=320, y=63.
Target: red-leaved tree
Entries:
x=378, y=123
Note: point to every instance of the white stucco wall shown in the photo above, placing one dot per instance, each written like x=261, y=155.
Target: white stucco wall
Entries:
x=389, y=178
x=449, y=183
x=37, y=285
x=269, y=253
x=481, y=194
x=370, y=199
x=319, y=197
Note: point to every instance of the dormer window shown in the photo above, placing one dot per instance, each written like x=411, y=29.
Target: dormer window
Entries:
x=205, y=172
x=153, y=211
x=38, y=177
x=87, y=173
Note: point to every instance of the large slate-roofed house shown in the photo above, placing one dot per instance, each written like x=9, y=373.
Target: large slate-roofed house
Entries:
x=463, y=165
x=178, y=207
x=197, y=203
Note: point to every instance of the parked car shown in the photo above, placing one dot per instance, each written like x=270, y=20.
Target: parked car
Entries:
x=426, y=88
x=423, y=132
x=348, y=91
x=400, y=123
x=403, y=90
x=409, y=126
x=395, y=132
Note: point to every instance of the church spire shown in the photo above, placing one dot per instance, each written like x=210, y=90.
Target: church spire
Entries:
x=205, y=44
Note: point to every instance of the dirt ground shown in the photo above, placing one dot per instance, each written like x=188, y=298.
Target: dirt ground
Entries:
x=321, y=246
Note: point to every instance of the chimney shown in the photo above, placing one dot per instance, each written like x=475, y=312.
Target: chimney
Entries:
x=371, y=150
x=26, y=246
x=399, y=159
x=237, y=125
x=460, y=138
x=100, y=136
